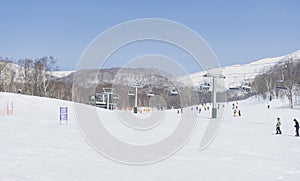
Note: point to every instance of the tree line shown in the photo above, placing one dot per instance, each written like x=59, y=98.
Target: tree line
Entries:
x=281, y=80
x=33, y=77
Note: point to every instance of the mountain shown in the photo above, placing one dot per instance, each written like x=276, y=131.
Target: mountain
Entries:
x=240, y=74
x=120, y=76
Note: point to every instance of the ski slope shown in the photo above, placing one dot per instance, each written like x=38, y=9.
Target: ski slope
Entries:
x=34, y=146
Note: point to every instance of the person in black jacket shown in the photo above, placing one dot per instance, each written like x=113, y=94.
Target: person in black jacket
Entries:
x=297, y=127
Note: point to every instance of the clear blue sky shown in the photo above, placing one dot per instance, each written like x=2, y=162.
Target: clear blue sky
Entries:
x=237, y=31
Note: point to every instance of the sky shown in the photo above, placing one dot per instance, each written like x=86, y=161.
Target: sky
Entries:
x=238, y=32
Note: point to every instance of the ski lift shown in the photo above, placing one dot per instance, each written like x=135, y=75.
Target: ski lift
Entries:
x=234, y=88
x=246, y=87
x=100, y=99
x=116, y=96
x=150, y=94
x=173, y=92
x=280, y=84
x=131, y=92
x=205, y=86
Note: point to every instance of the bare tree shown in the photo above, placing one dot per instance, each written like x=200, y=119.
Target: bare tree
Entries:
x=290, y=72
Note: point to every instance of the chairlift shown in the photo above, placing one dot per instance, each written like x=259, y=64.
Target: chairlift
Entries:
x=205, y=86
x=116, y=96
x=173, y=92
x=131, y=92
x=150, y=94
x=246, y=87
x=280, y=84
x=234, y=88
x=100, y=99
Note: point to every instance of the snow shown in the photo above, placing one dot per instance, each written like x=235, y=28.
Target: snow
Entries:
x=239, y=74
x=34, y=146
x=60, y=74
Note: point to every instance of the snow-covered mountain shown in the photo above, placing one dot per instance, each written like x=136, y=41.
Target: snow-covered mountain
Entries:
x=239, y=74
x=236, y=75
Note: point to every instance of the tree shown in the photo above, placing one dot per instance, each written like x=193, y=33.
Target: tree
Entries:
x=290, y=73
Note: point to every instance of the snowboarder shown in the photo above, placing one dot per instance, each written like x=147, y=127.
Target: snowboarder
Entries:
x=278, y=124
x=297, y=127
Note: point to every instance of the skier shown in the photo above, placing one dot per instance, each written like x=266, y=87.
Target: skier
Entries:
x=199, y=110
x=278, y=124
x=234, y=113
x=239, y=112
x=297, y=127
x=268, y=106
x=233, y=106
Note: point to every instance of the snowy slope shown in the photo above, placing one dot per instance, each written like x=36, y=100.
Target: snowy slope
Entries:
x=34, y=146
x=239, y=74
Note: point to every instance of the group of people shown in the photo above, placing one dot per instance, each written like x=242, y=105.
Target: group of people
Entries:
x=278, y=124
x=236, y=110
x=197, y=108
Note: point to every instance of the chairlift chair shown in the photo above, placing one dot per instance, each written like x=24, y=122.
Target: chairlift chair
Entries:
x=205, y=86
x=280, y=84
x=173, y=92
x=150, y=94
x=116, y=96
x=100, y=99
x=246, y=88
x=131, y=93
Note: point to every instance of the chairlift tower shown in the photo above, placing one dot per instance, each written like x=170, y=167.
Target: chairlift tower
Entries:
x=136, y=97
x=214, y=94
x=108, y=91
